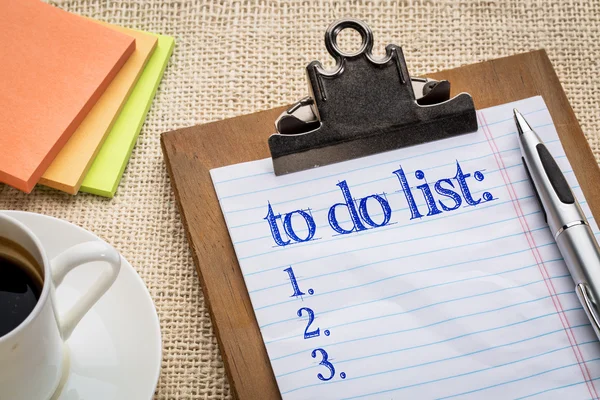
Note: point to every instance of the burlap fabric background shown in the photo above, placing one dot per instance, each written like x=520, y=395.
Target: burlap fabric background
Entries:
x=238, y=57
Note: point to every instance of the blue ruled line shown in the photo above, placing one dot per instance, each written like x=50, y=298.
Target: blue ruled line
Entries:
x=373, y=231
x=409, y=223
x=361, y=169
x=329, y=345
x=391, y=244
x=424, y=270
x=396, y=295
x=354, y=185
x=486, y=369
x=412, y=240
x=381, y=164
x=494, y=203
x=314, y=211
x=561, y=330
x=418, y=308
x=306, y=278
x=412, y=291
x=389, y=297
x=527, y=377
x=243, y=177
x=556, y=388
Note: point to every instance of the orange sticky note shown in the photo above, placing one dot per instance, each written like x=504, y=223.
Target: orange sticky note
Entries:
x=72, y=163
x=53, y=68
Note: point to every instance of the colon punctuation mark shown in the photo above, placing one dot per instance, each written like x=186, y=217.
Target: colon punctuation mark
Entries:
x=361, y=220
x=444, y=188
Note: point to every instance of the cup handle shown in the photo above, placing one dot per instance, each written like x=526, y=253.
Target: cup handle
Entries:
x=78, y=255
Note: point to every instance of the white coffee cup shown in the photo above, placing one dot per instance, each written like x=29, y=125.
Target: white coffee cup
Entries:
x=32, y=356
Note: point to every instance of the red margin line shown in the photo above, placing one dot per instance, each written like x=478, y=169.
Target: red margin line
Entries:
x=539, y=260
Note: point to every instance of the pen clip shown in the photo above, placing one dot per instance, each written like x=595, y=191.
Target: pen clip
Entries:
x=588, y=306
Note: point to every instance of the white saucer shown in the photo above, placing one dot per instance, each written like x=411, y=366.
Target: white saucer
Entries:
x=115, y=351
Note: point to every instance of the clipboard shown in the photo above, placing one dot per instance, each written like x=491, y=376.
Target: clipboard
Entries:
x=190, y=154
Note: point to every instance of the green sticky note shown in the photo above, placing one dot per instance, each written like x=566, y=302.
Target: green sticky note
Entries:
x=106, y=171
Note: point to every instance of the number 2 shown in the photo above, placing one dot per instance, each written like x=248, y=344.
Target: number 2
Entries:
x=311, y=318
x=325, y=363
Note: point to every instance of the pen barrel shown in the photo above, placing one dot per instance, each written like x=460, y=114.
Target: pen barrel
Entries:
x=581, y=253
x=551, y=187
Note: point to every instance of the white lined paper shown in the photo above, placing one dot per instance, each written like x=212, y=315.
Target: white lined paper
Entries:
x=467, y=303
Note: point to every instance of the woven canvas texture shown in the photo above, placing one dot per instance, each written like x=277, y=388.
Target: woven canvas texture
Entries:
x=238, y=57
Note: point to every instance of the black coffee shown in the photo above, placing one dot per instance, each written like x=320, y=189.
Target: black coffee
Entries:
x=20, y=285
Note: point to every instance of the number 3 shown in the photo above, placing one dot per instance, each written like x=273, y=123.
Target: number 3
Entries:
x=311, y=318
x=325, y=363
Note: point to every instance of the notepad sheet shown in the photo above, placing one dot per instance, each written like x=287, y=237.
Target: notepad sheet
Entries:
x=426, y=272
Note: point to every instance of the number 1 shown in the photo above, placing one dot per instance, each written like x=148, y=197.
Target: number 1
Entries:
x=297, y=291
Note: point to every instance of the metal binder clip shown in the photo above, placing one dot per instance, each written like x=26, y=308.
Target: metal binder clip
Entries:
x=365, y=106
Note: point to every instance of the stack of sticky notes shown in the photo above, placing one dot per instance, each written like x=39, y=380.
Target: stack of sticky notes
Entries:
x=74, y=94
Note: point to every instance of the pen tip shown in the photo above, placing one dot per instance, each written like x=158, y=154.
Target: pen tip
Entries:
x=522, y=125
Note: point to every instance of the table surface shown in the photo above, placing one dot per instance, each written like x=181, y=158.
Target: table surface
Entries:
x=237, y=57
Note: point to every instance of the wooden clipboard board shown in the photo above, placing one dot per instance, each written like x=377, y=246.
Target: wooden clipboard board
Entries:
x=191, y=152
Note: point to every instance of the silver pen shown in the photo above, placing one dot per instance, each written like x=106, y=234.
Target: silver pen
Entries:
x=567, y=222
